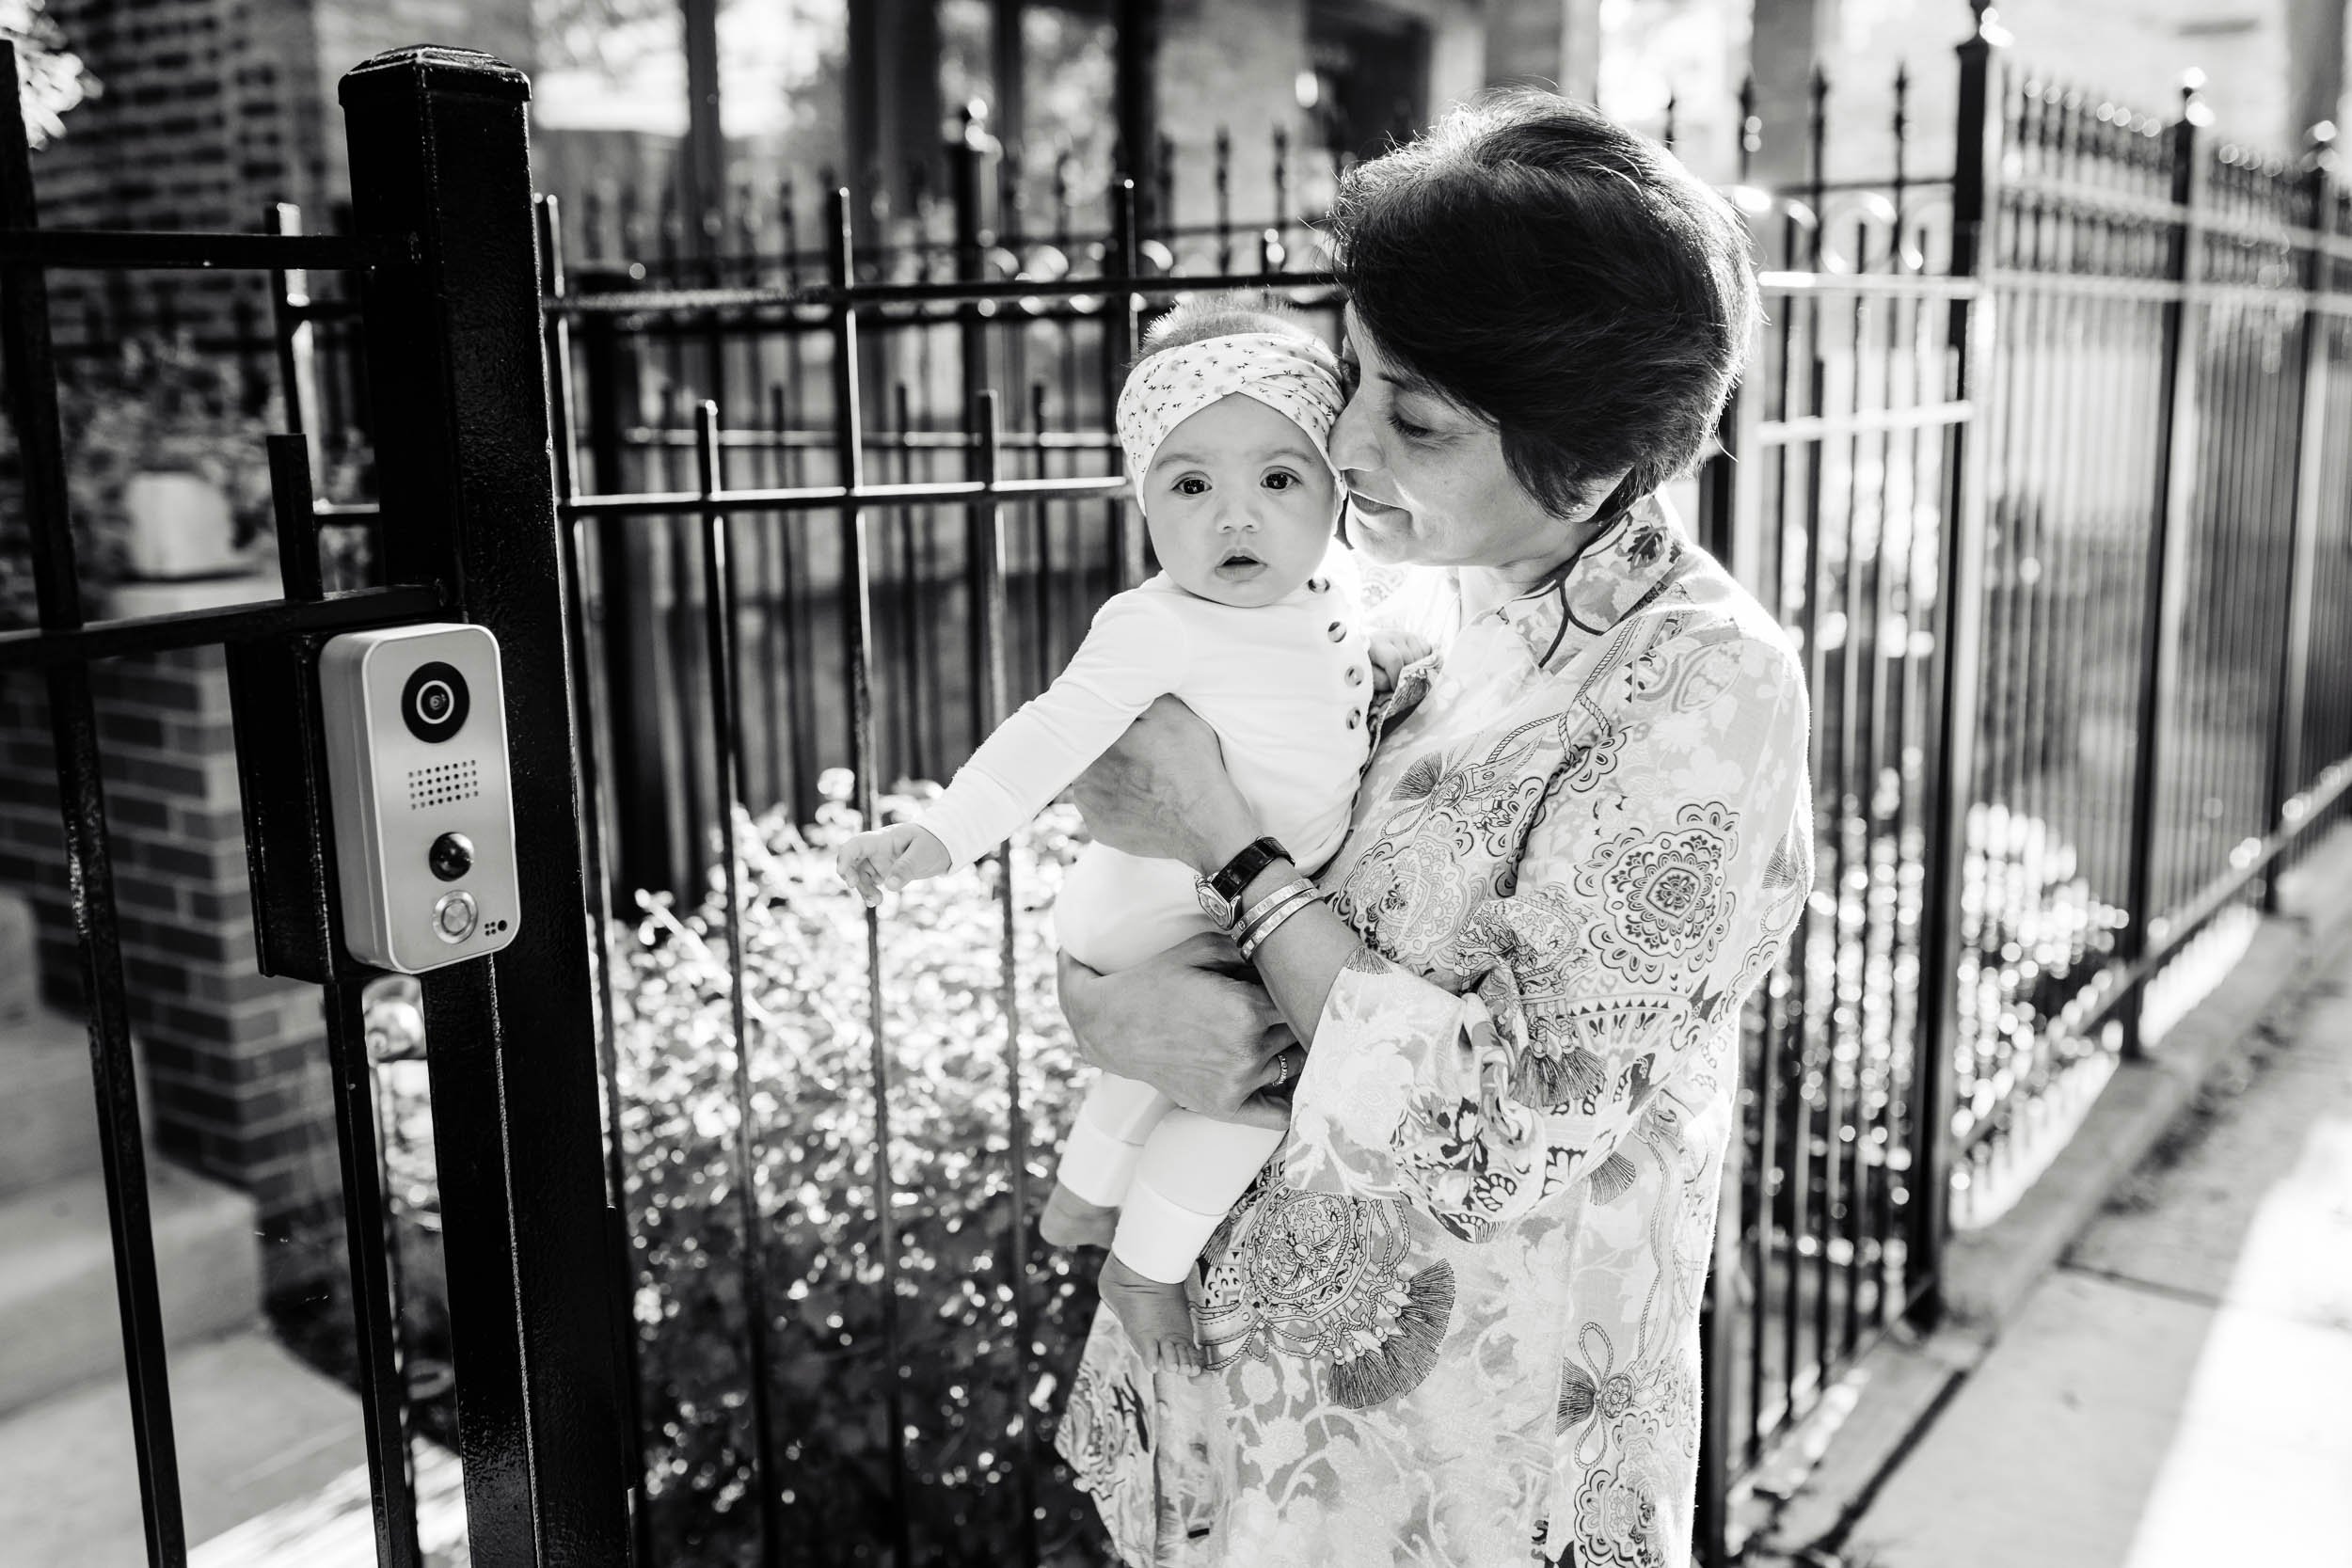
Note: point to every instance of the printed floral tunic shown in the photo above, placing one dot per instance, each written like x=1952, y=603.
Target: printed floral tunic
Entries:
x=1455, y=1320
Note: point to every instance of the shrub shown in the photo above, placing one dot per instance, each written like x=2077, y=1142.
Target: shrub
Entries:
x=968, y=1412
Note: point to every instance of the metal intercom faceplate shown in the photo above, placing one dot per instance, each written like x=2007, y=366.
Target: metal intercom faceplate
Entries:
x=424, y=825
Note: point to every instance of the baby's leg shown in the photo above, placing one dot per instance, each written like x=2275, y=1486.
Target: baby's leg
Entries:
x=1098, y=1161
x=1192, y=1170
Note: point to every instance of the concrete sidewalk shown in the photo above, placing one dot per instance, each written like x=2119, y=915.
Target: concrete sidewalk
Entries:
x=2178, y=1390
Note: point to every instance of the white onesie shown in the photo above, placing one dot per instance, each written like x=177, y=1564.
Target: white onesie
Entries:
x=1286, y=687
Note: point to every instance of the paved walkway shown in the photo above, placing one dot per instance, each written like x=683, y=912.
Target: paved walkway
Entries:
x=2180, y=1392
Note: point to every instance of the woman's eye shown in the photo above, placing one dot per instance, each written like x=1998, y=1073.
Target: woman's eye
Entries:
x=1192, y=485
x=1407, y=428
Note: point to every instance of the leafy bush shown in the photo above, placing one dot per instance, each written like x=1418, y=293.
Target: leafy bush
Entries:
x=970, y=1416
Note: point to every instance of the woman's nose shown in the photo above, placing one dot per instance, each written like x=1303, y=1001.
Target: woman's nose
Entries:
x=1352, y=445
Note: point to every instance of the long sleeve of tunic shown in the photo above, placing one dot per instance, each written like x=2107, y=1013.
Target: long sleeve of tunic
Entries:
x=1457, y=1319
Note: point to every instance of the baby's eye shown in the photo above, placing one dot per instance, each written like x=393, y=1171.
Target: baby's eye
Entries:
x=1279, y=479
x=1192, y=485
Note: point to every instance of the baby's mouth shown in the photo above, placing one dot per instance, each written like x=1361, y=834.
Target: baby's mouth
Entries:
x=1235, y=559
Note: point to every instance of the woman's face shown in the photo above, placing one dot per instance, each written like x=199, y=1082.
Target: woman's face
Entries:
x=1428, y=481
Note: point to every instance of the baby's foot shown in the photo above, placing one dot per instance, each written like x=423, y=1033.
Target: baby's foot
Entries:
x=1156, y=1317
x=1070, y=1221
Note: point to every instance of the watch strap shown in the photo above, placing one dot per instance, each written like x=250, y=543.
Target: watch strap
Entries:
x=1243, y=869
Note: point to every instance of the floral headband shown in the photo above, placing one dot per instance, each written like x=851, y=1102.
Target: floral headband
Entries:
x=1295, y=376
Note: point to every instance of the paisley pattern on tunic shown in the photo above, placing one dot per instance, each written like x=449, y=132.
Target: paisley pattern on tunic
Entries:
x=1456, y=1318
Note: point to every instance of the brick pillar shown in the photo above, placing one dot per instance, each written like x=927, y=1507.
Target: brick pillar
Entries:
x=1236, y=64
x=1792, y=41
x=2315, y=35
x=1547, y=44
x=234, y=1080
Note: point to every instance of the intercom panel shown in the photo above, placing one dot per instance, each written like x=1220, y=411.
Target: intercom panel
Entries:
x=424, y=822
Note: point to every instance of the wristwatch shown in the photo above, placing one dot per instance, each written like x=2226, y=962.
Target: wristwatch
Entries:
x=1220, y=895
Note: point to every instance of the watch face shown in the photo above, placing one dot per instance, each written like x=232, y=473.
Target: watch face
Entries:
x=1214, y=905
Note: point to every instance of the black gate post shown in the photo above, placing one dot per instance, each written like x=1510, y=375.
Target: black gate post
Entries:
x=1950, y=766
x=439, y=156
x=2163, y=625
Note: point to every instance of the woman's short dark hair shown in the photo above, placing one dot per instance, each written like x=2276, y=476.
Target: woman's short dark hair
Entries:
x=1562, y=279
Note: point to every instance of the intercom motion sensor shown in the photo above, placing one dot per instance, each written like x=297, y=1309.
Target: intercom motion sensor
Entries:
x=424, y=822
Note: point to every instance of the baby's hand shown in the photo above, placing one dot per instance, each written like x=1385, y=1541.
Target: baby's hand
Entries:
x=887, y=859
x=1391, y=651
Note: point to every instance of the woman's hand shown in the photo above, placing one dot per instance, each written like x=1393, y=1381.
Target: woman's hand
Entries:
x=1190, y=1022
x=1162, y=790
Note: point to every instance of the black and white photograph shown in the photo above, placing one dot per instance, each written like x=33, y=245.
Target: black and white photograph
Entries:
x=1176, y=783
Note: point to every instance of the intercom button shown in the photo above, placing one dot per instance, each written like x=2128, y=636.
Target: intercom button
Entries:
x=455, y=916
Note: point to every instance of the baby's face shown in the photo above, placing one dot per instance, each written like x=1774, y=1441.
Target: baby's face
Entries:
x=1239, y=503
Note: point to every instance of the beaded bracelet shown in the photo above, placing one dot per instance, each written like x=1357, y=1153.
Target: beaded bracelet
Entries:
x=1255, y=938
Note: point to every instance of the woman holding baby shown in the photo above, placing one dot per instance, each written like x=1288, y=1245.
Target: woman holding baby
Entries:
x=1454, y=1318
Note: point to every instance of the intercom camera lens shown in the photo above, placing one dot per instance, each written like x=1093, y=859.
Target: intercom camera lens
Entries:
x=434, y=702
x=452, y=856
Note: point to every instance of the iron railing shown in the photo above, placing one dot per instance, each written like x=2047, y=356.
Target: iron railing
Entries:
x=528, y=1264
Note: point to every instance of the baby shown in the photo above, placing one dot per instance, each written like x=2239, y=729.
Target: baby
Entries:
x=1253, y=622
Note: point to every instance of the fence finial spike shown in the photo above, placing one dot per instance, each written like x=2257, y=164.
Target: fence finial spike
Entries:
x=1989, y=28
x=2194, y=109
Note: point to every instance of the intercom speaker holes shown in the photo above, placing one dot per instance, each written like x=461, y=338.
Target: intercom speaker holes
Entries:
x=444, y=784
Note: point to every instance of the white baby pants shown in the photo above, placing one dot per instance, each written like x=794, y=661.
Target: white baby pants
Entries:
x=1171, y=1173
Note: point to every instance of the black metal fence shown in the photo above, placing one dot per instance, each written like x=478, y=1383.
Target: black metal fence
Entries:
x=2048, y=482
x=529, y=1260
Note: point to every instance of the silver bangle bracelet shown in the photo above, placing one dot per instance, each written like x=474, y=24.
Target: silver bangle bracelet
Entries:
x=1273, y=904
x=1260, y=909
x=1274, y=922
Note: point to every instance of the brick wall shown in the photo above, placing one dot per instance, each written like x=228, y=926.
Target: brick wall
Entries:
x=192, y=130
x=211, y=111
x=1234, y=63
x=234, y=1063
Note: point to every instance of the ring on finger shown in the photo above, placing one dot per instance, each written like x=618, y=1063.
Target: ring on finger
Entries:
x=1281, y=1068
